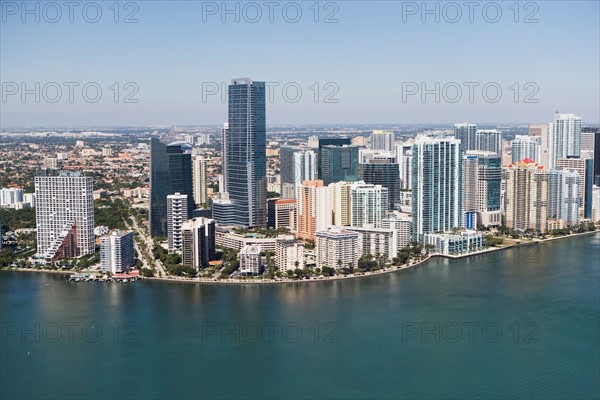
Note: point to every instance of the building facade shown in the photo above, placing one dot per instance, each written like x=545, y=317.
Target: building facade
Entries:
x=117, y=254
x=198, y=242
x=177, y=214
x=338, y=248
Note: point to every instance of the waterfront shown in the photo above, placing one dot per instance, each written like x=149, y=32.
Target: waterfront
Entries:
x=160, y=340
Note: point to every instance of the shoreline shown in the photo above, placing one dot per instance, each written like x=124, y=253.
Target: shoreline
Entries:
x=386, y=270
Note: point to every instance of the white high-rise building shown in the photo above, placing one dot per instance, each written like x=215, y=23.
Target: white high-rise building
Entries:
x=250, y=260
x=305, y=167
x=526, y=196
x=402, y=224
x=338, y=248
x=564, y=137
x=369, y=204
x=64, y=211
x=524, y=146
x=404, y=160
x=596, y=203
x=198, y=242
x=289, y=255
x=378, y=241
x=200, y=179
x=540, y=131
x=382, y=140
x=10, y=196
x=482, y=181
x=563, y=195
x=488, y=140
x=116, y=252
x=177, y=212
x=466, y=134
x=437, y=185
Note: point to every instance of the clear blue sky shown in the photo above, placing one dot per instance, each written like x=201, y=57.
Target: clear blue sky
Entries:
x=374, y=51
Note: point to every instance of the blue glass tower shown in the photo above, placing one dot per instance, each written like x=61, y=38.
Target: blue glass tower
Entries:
x=246, y=152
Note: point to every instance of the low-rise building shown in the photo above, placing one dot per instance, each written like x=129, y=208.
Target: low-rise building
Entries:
x=250, y=260
x=454, y=244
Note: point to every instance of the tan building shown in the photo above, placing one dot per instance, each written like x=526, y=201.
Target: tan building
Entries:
x=526, y=197
x=313, y=209
x=541, y=130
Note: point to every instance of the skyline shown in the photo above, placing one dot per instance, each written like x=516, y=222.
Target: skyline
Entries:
x=169, y=78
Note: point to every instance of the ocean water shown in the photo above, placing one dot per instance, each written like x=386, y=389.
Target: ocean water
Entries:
x=522, y=323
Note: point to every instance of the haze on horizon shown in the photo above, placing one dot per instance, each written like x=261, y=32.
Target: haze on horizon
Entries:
x=360, y=63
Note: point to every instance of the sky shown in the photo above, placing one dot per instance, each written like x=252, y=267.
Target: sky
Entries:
x=344, y=62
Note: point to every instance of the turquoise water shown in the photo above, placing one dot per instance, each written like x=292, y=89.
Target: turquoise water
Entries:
x=359, y=338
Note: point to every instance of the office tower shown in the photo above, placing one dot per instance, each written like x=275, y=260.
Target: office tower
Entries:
x=338, y=163
x=116, y=252
x=402, y=224
x=313, y=209
x=64, y=214
x=526, y=197
x=467, y=135
x=198, y=242
x=563, y=195
x=250, y=260
x=382, y=140
x=488, y=140
x=281, y=213
x=170, y=172
x=590, y=148
x=540, y=131
x=482, y=180
x=383, y=171
x=584, y=169
x=10, y=196
x=524, y=146
x=224, y=132
x=378, y=241
x=287, y=169
x=564, y=137
x=246, y=152
x=177, y=211
x=404, y=159
x=436, y=185
x=289, y=255
x=341, y=203
x=200, y=180
x=343, y=141
x=369, y=205
x=223, y=210
x=338, y=248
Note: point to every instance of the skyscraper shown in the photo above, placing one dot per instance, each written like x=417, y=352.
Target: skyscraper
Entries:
x=526, y=198
x=382, y=140
x=296, y=165
x=368, y=204
x=313, y=210
x=565, y=137
x=177, y=211
x=338, y=163
x=584, y=169
x=170, y=172
x=340, y=141
x=224, y=132
x=563, y=195
x=116, y=252
x=246, y=152
x=200, y=179
x=482, y=179
x=540, y=131
x=592, y=147
x=64, y=214
x=467, y=134
x=488, y=140
x=385, y=172
x=525, y=146
x=436, y=185
x=198, y=242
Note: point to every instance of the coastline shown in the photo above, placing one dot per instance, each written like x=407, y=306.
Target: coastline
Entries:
x=359, y=275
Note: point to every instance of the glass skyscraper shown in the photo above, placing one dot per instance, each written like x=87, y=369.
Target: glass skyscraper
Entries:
x=246, y=152
x=436, y=186
x=467, y=134
x=339, y=163
x=384, y=172
x=170, y=173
